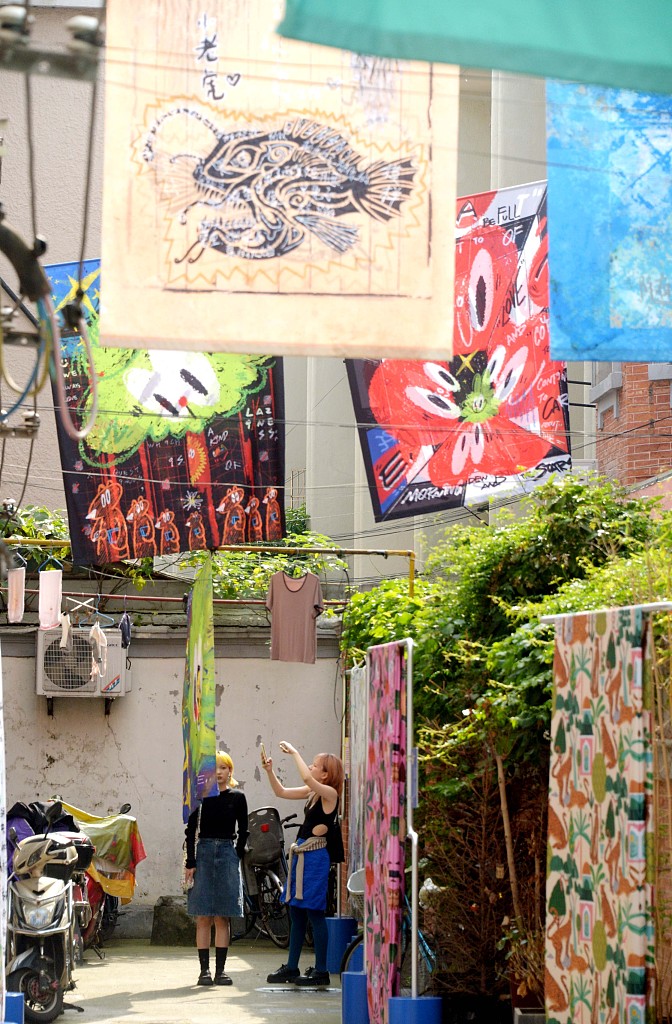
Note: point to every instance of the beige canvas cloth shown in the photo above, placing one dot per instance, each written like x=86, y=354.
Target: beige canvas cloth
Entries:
x=278, y=197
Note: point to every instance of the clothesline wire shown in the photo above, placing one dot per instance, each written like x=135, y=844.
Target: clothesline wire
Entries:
x=166, y=599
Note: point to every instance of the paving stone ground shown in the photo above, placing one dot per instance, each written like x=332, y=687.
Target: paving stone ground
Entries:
x=141, y=984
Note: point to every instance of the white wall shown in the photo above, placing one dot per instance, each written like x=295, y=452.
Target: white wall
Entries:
x=135, y=754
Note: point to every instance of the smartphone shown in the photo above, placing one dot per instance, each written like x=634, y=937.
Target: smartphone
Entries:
x=263, y=754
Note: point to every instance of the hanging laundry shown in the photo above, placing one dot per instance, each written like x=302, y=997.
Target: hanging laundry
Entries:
x=125, y=626
x=66, y=632
x=51, y=591
x=16, y=594
x=98, y=642
x=294, y=605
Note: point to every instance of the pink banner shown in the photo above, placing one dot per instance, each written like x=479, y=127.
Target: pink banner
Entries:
x=384, y=826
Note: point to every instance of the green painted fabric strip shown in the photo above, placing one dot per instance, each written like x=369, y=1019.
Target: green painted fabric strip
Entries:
x=622, y=44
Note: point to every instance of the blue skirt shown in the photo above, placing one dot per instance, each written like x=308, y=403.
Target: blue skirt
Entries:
x=218, y=885
x=316, y=866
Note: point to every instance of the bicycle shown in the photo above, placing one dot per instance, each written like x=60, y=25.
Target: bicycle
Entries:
x=426, y=955
x=265, y=864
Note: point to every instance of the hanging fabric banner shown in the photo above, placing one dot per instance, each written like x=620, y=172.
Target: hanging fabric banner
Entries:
x=609, y=180
x=357, y=747
x=384, y=825
x=198, y=698
x=495, y=419
x=276, y=197
x=600, y=916
x=186, y=452
x=3, y=848
x=613, y=44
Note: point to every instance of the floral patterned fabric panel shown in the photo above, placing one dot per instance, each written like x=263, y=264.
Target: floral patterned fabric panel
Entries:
x=599, y=912
x=384, y=825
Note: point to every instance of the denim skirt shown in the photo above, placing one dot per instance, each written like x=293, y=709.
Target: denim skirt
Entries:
x=218, y=885
x=316, y=866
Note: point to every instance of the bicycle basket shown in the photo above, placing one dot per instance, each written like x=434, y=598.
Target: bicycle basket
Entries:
x=265, y=841
x=356, y=888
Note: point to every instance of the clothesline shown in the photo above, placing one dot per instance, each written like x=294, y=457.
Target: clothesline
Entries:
x=261, y=549
x=161, y=599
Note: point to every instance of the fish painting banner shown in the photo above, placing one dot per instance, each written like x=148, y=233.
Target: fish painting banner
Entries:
x=495, y=418
x=277, y=196
x=600, y=918
x=186, y=452
x=384, y=824
x=198, y=698
x=609, y=184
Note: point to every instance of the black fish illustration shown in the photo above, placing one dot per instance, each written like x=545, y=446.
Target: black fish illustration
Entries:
x=267, y=189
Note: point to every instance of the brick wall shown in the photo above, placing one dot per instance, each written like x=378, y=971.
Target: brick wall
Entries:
x=637, y=444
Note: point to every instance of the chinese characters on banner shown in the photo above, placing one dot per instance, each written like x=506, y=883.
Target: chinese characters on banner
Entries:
x=198, y=698
x=185, y=454
x=610, y=187
x=275, y=193
x=494, y=419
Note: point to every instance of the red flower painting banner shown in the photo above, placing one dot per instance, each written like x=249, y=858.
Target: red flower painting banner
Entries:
x=384, y=825
x=494, y=419
x=186, y=451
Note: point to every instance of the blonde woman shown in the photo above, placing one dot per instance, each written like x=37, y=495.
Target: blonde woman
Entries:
x=213, y=862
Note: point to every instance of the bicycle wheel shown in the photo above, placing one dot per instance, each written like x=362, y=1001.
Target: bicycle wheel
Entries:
x=274, y=913
x=350, y=952
x=426, y=963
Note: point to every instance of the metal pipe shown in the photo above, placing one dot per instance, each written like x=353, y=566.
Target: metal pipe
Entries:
x=410, y=830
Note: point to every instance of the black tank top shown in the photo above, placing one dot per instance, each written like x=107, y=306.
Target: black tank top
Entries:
x=315, y=815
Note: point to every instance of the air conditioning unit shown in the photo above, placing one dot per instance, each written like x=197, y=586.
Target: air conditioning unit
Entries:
x=63, y=673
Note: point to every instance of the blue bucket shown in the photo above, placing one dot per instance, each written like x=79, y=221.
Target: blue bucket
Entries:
x=407, y=1010
x=340, y=931
x=13, y=1008
x=354, y=1004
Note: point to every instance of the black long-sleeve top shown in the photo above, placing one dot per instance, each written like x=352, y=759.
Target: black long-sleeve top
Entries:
x=222, y=817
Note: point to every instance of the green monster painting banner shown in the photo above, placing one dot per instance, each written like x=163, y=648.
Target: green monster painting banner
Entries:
x=198, y=700
x=599, y=915
x=186, y=452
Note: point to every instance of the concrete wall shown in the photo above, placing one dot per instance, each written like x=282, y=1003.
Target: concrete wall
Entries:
x=135, y=753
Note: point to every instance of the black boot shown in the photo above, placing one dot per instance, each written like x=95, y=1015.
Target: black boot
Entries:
x=204, y=978
x=220, y=963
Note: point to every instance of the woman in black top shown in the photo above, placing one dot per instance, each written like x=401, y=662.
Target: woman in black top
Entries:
x=213, y=863
x=318, y=844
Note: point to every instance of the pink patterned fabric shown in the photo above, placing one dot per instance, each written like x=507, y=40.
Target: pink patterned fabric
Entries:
x=384, y=829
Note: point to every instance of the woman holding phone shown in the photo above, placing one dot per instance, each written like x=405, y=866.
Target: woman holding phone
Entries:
x=318, y=843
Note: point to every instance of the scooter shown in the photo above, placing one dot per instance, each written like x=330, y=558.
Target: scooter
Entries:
x=42, y=922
